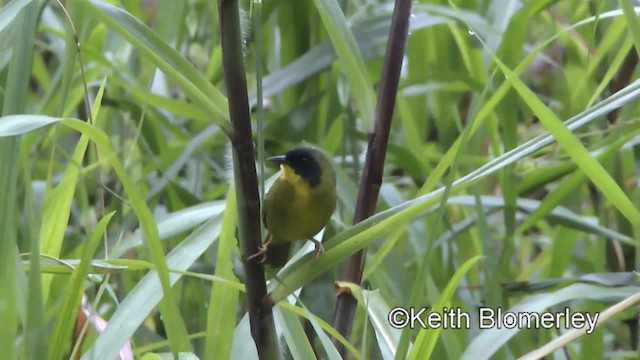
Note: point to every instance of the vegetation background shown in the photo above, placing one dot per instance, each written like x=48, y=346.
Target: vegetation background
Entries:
x=510, y=180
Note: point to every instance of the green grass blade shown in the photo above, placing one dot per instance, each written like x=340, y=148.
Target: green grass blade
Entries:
x=378, y=311
x=223, y=302
x=9, y=12
x=61, y=335
x=489, y=341
x=139, y=303
x=572, y=145
x=20, y=19
x=12, y=125
x=320, y=326
x=174, y=65
x=173, y=224
x=294, y=334
x=175, y=326
x=426, y=340
x=632, y=22
x=349, y=57
x=56, y=210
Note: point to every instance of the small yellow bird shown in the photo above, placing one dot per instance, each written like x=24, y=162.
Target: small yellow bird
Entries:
x=298, y=205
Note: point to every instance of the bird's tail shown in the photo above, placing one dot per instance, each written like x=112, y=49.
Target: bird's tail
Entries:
x=278, y=254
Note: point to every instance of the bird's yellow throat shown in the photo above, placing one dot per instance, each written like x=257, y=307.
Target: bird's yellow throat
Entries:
x=299, y=184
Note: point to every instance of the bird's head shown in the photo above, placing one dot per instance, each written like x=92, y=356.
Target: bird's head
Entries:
x=306, y=164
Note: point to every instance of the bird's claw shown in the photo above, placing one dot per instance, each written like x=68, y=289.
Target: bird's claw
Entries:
x=262, y=253
x=319, y=248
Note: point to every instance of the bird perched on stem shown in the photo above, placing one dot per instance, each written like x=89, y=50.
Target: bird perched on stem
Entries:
x=298, y=205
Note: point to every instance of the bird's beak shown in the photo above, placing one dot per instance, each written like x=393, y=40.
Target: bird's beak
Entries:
x=280, y=159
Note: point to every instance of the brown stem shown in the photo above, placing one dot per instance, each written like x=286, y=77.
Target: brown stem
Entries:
x=622, y=79
x=374, y=161
x=246, y=180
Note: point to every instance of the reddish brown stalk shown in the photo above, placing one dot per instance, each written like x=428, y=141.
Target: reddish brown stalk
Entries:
x=374, y=161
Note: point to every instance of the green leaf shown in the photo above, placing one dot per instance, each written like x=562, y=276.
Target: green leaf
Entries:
x=174, y=65
x=489, y=341
x=146, y=295
x=572, y=145
x=349, y=57
x=57, y=201
x=294, y=334
x=13, y=125
x=426, y=340
x=175, y=326
x=378, y=311
x=65, y=321
x=223, y=302
x=9, y=12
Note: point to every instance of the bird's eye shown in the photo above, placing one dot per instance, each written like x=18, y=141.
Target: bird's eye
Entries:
x=305, y=159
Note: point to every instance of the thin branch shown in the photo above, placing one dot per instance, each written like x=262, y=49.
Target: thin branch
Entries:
x=246, y=180
x=374, y=162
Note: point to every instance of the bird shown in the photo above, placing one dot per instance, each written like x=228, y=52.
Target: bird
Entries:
x=298, y=205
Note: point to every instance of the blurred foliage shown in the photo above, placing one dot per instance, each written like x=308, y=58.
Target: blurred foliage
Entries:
x=127, y=191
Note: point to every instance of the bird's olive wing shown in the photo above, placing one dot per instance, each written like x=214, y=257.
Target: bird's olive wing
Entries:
x=264, y=216
x=277, y=201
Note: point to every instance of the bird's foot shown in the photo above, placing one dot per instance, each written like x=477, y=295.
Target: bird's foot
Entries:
x=262, y=253
x=319, y=248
